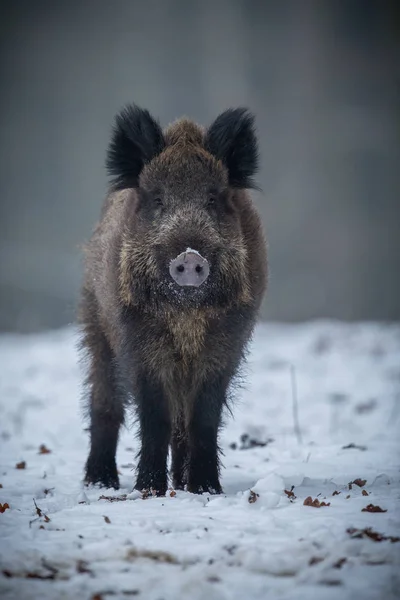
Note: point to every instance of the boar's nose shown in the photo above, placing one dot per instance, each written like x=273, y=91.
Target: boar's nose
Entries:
x=189, y=269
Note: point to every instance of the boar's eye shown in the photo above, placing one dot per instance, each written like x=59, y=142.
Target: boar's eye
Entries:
x=158, y=201
x=211, y=201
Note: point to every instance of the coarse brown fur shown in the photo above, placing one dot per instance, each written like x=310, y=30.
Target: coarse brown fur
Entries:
x=174, y=350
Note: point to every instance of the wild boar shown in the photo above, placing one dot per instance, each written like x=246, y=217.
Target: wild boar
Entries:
x=175, y=272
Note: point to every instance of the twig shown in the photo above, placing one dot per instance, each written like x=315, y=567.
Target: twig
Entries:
x=297, y=429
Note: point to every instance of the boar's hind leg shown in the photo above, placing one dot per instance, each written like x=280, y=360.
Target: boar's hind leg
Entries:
x=179, y=450
x=106, y=413
x=155, y=432
x=203, y=469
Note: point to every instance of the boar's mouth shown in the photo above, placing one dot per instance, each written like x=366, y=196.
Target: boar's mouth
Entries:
x=189, y=269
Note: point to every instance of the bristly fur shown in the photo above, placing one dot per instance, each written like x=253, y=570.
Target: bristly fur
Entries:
x=136, y=139
x=232, y=139
x=175, y=351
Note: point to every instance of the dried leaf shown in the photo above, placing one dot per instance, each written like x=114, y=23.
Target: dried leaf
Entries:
x=38, y=510
x=247, y=442
x=339, y=563
x=172, y=493
x=354, y=446
x=43, y=449
x=121, y=498
x=1, y=486
x=21, y=465
x=315, y=503
x=253, y=497
x=314, y=560
x=156, y=555
x=40, y=514
x=40, y=576
x=372, y=508
x=335, y=493
x=83, y=567
x=290, y=494
x=97, y=597
x=33, y=574
x=3, y=507
x=365, y=493
x=348, y=496
x=360, y=482
x=371, y=534
x=107, y=520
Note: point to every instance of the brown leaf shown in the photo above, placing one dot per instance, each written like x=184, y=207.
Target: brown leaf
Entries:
x=360, y=482
x=339, y=563
x=314, y=560
x=40, y=513
x=107, y=520
x=33, y=574
x=290, y=494
x=3, y=507
x=121, y=498
x=371, y=534
x=253, y=497
x=1, y=486
x=348, y=496
x=43, y=449
x=335, y=493
x=365, y=493
x=21, y=465
x=315, y=503
x=172, y=493
x=372, y=508
x=97, y=597
x=354, y=446
x=83, y=567
x=156, y=555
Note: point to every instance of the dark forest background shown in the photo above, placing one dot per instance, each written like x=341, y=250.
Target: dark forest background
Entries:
x=323, y=79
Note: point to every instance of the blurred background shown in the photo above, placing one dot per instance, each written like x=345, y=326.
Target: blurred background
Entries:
x=323, y=78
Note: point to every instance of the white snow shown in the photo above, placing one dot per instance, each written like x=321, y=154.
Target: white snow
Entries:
x=212, y=547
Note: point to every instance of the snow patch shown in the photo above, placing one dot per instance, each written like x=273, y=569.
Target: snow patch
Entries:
x=257, y=539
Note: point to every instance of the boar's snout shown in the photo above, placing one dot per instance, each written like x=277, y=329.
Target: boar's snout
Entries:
x=189, y=269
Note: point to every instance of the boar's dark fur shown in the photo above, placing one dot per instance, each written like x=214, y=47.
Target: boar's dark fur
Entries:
x=173, y=350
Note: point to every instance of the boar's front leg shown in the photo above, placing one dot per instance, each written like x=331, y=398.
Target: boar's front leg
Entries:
x=155, y=432
x=204, y=423
x=106, y=407
x=179, y=451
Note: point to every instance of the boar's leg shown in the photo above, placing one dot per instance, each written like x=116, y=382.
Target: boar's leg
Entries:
x=179, y=450
x=155, y=433
x=203, y=469
x=106, y=413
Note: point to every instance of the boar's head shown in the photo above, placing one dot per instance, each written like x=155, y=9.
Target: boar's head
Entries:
x=182, y=241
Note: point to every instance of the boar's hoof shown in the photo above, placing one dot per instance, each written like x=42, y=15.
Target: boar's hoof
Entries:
x=105, y=476
x=189, y=269
x=208, y=489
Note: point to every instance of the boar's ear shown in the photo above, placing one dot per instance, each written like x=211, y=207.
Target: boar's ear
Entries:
x=232, y=139
x=136, y=139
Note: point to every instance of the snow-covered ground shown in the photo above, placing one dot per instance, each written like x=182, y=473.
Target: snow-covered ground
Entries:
x=254, y=541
